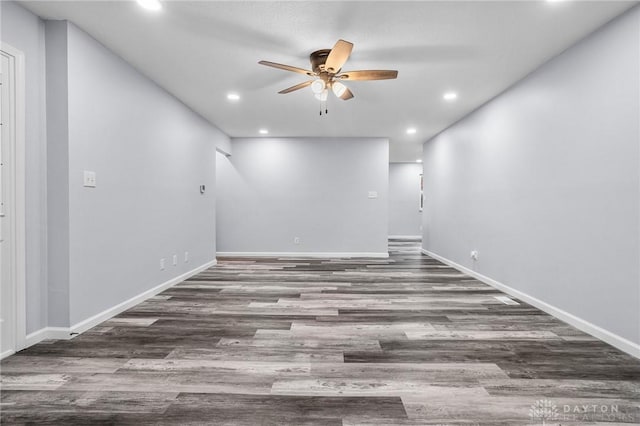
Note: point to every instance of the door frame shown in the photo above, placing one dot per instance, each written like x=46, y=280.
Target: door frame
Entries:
x=17, y=192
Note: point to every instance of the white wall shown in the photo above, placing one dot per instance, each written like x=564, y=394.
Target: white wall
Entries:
x=25, y=32
x=274, y=189
x=544, y=181
x=405, y=217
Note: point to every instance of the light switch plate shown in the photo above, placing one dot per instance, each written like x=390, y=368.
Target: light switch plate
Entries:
x=89, y=179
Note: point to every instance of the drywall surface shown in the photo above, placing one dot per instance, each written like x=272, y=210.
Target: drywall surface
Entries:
x=544, y=182
x=150, y=154
x=24, y=31
x=57, y=173
x=405, y=217
x=273, y=190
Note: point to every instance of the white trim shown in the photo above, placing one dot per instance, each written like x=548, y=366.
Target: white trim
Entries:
x=37, y=336
x=223, y=152
x=5, y=354
x=619, y=342
x=19, y=195
x=329, y=255
x=85, y=325
x=506, y=300
x=55, y=333
x=66, y=333
x=406, y=237
x=20, y=204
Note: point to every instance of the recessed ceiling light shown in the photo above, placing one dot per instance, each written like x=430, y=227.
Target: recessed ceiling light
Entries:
x=263, y=131
x=150, y=4
x=450, y=96
x=233, y=97
x=411, y=131
x=419, y=160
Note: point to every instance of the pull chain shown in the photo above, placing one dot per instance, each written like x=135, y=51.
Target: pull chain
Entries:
x=323, y=105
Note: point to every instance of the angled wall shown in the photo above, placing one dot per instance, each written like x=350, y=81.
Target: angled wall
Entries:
x=544, y=181
x=150, y=154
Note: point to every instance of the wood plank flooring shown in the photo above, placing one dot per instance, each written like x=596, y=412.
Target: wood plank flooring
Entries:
x=404, y=341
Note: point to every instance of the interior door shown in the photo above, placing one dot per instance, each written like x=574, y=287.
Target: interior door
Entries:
x=7, y=286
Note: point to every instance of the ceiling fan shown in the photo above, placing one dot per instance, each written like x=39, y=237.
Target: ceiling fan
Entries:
x=326, y=66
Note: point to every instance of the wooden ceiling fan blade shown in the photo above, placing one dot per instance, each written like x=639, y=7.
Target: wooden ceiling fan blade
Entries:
x=287, y=68
x=338, y=56
x=347, y=95
x=296, y=87
x=368, y=75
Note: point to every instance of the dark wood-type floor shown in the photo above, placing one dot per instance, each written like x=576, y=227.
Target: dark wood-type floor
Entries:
x=405, y=340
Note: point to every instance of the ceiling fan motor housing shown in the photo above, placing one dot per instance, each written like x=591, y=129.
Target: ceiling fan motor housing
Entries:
x=318, y=59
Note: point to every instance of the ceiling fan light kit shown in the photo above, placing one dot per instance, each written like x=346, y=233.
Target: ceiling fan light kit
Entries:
x=338, y=88
x=326, y=66
x=318, y=86
x=322, y=96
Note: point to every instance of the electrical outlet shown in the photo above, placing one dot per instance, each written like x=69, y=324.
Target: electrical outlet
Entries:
x=186, y=256
x=162, y=264
x=474, y=254
x=296, y=240
x=175, y=259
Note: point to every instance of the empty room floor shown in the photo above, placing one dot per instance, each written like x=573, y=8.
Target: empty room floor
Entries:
x=405, y=340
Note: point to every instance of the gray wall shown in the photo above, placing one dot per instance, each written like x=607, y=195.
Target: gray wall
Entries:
x=544, y=182
x=57, y=173
x=25, y=32
x=274, y=189
x=150, y=154
x=405, y=218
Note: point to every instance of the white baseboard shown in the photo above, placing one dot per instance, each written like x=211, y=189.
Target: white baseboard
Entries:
x=58, y=333
x=65, y=333
x=85, y=325
x=5, y=354
x=328, y=255
x=406, y=237
x=619, y=342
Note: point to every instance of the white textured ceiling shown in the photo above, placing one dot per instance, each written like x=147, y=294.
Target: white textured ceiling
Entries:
x=201, y=50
